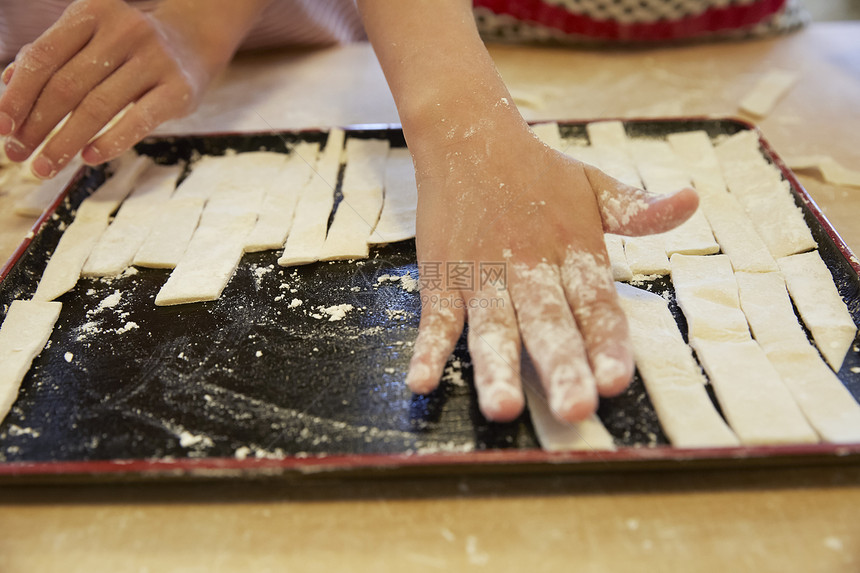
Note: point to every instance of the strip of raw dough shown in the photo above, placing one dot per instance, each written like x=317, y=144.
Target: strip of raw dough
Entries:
x=117, y=246
x=757, y=404
x=822, y=309
x=23, y=335
x=707, y=292
x=308, y=232
x=672, y=377
x=358, y=211
x=607, y=133
x=617, y=258
x=647, y=255
x=831, y=170
x=397, y=220
x=205, y=175
x=767, y=91
x=737, y=235
x=765, y=303
x=227, y=203
x=209, y=262
x=663, y=172
x=64, y=267
x=170, y=234
x=107, y=198
x=696, y=152
x=766, y=198
x=282, y=196
x=211, y=173
x=549, y=134
x=825, y=401
x=730, y=224
x=553, y=434
x=34, y=203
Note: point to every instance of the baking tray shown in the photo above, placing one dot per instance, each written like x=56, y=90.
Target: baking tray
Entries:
x=246, y=386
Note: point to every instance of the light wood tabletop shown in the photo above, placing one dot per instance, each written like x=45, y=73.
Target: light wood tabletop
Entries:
x=782, y=519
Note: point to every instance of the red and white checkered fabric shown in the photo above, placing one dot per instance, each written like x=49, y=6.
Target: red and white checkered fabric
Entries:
x=633, y=21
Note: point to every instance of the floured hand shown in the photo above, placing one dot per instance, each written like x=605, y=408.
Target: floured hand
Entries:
x=491, y=196
x=101, y=56
x=510, y=239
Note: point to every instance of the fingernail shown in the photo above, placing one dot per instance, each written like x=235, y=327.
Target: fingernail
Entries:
x=7, y=73
x=7, y=124
x=92, y=156
x=16, y=150
x=43, y=167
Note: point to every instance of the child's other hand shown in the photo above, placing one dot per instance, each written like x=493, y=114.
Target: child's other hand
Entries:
x=99, y=57
x=498, y=195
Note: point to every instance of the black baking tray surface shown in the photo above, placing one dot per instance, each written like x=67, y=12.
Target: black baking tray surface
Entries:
x=248, y=386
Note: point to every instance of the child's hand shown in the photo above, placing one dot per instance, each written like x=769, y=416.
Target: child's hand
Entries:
x=501, y=196
x=101, y=56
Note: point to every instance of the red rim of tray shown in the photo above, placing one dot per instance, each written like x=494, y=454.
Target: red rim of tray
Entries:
x=502, y=460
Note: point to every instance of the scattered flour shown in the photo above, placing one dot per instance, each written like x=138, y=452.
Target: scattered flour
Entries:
x=130, y=325
x=187, y=440
x=69, y=356
x=295, y=303
x=111, y=301
x=260, y=272
x=453, y=374
x=336, y=312
x=408, y=283
x=15, y=430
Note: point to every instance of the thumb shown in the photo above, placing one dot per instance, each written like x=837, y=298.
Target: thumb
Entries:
x=630, y=211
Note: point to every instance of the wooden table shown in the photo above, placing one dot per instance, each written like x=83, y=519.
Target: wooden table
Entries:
x=789, y=519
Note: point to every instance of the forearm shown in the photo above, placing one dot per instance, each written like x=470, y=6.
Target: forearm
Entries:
x=443, y=80
x=213, y=29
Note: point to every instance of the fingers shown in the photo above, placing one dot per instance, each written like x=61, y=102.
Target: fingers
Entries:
x=37, y=63
x=157, y=106
x=88, y=85
x=101, y=56
x=591, y=295
x=551, y=337
x=630, y=211
x=494, y=344
x=95, y=111
x=440, y=328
